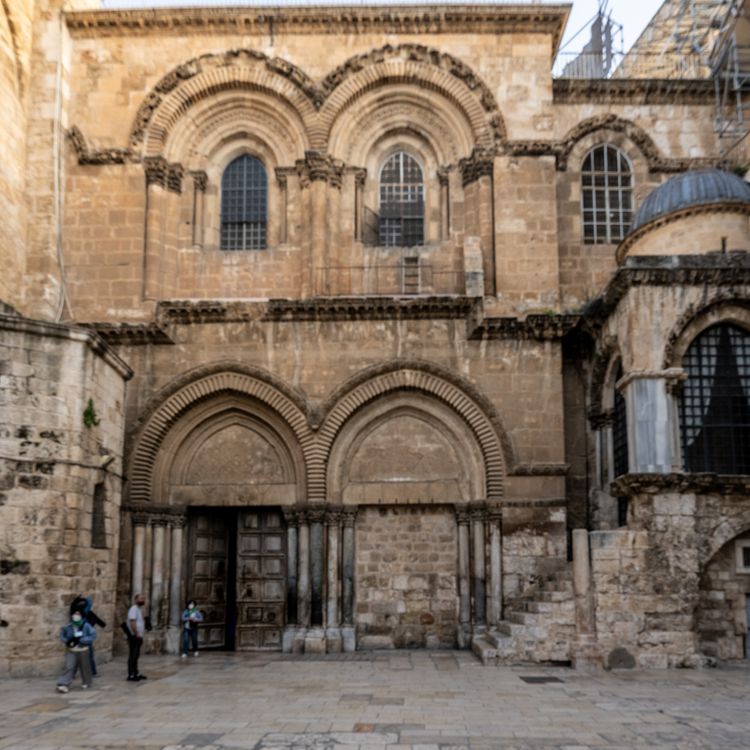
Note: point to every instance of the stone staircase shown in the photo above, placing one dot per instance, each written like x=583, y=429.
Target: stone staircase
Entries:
x=541, y=630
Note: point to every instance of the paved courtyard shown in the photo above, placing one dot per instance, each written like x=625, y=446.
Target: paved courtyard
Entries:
x=419, y=700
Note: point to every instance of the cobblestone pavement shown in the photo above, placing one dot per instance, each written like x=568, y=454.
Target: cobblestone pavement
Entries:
x=418, y=700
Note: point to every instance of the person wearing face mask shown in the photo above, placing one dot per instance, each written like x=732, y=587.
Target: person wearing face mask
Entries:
x=190, y=619
x=84, y=605
x=136, y=627
x=77, y=636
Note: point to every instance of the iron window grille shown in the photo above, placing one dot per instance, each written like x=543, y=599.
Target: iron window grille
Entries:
x=620, y=431
x=244, y=205
x=715, y=402
x=606, y=195
x=401, y=222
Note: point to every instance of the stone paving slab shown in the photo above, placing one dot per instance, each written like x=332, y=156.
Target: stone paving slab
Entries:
x=417, y=700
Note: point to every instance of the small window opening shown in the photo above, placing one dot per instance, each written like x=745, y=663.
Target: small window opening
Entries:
x=98, y=525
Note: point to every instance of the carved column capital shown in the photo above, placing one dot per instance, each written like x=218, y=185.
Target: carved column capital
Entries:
x=177, y=522
x=478, y=511
x=479, y=164
x=200, y=180
x=175, y=173
x=156, y=168
x=443, y=175
x=334, y=515
x=318, y=166
x=314, y=513
x=494, y=513
x=291, y=515
x=140, y=519
x=360, y=176
x=601, y=419
x=349, y=516
x=462, y=514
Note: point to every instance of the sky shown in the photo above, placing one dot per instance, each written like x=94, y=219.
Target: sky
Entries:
x=633, y=15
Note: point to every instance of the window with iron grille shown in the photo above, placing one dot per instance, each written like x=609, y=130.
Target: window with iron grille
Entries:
x=620, y=431
x=244, y=202
x=606, y=195
x=401, y=222
x=715, y=402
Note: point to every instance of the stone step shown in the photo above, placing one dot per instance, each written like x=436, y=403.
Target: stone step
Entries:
x=505, y=645
x=554, y=596
x=485, y=651
x=524, y=618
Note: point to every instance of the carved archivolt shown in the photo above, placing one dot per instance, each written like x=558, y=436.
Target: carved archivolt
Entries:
x=174, y=401
x=399, y=375
x=317, y=105
x=724, y=306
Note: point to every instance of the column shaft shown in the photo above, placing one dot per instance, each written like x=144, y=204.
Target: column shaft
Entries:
x=480, y=615
x=139, y=544
x=303, y=579
x=332, y=608
x=291, y=589
x=157, y=575
x=496, y=570
x=175, y=590
x=464, y=589
x=347, y=572
x=316, y=572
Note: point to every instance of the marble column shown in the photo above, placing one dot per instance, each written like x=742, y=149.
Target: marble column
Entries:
x=651, y=416
x=292, y=592
x=333, y=587
x=303, y=577
x=317, y=518
x=464, y=589
x=495, y=599
x=139, y=550
x=444, y=180
x=478, y=514
x=157, y=573
x=585, y=653
x=175, y=588
x=200, y=183
x=485, y=218
x=348, y=636
x=148, y=561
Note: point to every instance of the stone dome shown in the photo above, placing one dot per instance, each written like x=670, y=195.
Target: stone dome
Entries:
x=694, y=188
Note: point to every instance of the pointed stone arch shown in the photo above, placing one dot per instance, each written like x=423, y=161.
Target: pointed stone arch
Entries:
x=195, y=387
x=411, y=63
x=207, y=75
x=403, y=375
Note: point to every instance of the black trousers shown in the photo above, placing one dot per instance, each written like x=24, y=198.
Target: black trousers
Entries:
x=134, y=651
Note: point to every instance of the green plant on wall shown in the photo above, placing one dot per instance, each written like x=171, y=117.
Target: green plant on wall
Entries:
x=89, y=414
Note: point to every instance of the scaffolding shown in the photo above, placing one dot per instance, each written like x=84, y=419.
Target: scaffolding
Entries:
x=730, y=67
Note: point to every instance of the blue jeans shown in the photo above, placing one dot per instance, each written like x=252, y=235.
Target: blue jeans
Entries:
x=189, y=637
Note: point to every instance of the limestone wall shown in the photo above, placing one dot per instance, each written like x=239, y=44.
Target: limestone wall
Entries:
x=406, y=577
x=50, y=463
x=15, y=43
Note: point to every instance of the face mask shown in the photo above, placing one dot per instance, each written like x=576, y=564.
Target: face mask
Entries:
x=191, y=605
x=77, y=618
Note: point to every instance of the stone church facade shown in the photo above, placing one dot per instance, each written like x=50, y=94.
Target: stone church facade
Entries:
x=359, y=328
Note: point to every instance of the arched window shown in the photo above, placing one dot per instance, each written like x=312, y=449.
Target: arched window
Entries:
x=715, y=402
x=619, y=431
x=401, y=202
x=244, y=204
x=606, y=195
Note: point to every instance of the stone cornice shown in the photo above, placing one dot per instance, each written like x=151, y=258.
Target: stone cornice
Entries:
x=538, y=327
x=99, y=157
x=710, y=269
x=369, y=308
x=334, y=20
x=723, y=207
x=677, y=482
x=131, y=334
x=539, y=470
x=96, y=343
x=633, y=91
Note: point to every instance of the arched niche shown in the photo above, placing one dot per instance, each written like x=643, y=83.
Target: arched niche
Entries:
x=405, y=447
x=227, y=451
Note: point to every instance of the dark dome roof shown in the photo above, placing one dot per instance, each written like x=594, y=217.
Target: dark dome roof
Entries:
x=695, y=188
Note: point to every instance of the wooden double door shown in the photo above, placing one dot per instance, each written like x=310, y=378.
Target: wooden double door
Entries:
x=237, y=576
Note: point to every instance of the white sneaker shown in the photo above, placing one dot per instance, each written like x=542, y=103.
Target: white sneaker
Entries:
x=184, y=656
x=62, y=689
x=85, y=687
x=195, y=653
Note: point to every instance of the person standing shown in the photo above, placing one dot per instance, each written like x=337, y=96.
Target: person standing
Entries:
x=190, y=619
x=77, y=636
x=136, y=627
x=84, y=605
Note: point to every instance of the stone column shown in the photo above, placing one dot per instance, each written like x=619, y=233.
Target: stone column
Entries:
x=360, y=175
x=315, y=641
x=585, y=651
x=157, y=573
x=348, y=635
x=139, y=550
x=200, y=183
x=156, y=169
x=478, y=513
x=292, y=521
x=283, y=205
x=464, y=589
x=333, y=619
x=176, y=595
x=148, y=560
x=495, y=599
x=303, y=577
x=651, y=415
x=444, y=180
